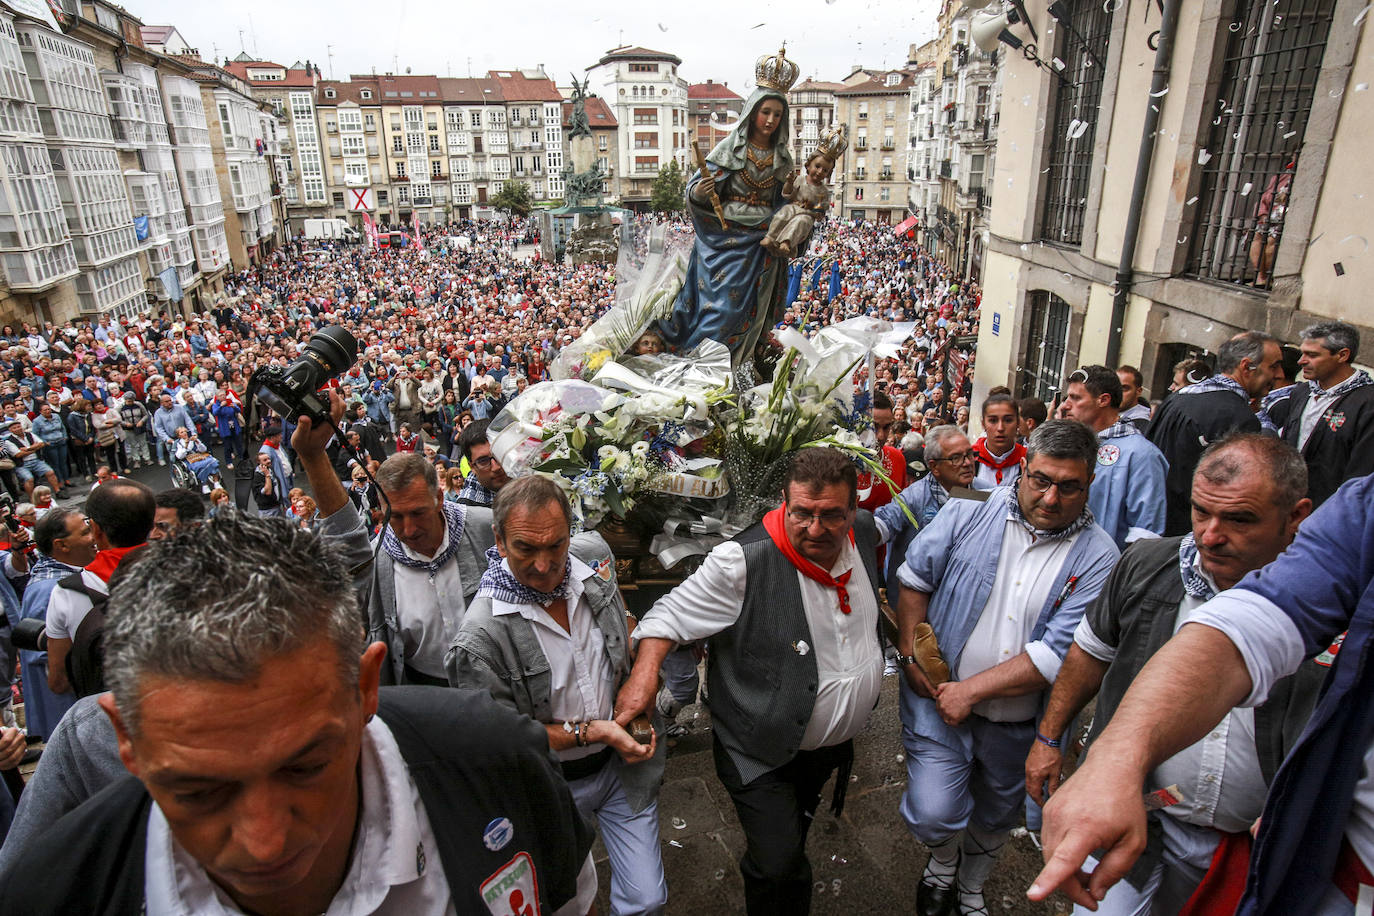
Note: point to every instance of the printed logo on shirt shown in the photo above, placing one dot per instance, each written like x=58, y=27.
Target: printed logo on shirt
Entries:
x=1329, y=656
x=1335, y=419
x=513, y=890
x=1108, y=454
x=498, y=834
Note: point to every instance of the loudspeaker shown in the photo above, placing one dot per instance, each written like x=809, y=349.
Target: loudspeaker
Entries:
x=990, y=28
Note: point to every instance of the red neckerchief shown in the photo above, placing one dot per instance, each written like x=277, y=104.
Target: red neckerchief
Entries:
x=106, y=561
x=773, y=524
x=980, y=448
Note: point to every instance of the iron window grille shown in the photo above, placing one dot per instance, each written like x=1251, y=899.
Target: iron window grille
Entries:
x=1269, y=74
x=1042, y=373
x=1074, y=119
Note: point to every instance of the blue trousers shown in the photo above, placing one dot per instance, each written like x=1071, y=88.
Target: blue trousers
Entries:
x=637, y=882
x=982, y=781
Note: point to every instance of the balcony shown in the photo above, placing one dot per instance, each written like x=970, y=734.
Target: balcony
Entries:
x=396, y=178
x=527, y=146
x=885, y=175
x=860, y=175
x=861, y=144
x=437, y=176
x=889, y=144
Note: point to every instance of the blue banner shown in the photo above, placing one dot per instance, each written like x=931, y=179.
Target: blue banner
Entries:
x=834, y=279
x=141, y=228
x=794, y=273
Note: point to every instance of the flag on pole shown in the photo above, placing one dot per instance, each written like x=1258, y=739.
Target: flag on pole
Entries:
x=834, y=280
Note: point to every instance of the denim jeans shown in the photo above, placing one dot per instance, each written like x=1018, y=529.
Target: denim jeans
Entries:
x=55, y=454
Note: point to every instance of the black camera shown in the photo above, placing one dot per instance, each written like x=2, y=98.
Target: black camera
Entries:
x=30, y=633
x=7, y=512
x=294, y=391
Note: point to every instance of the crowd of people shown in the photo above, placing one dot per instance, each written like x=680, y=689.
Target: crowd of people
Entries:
x=229, y=708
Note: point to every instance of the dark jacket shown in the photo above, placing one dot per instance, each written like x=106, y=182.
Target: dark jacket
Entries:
x=763, y=690
x=473, y=762
x=1136, y=612
x=1182, y=428
x=1341, y=446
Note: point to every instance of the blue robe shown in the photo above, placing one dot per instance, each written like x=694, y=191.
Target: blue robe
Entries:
x=734, y=288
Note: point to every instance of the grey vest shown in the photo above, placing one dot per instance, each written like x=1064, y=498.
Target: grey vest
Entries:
x=762, y=690
x=1136, y=611
x=501, y=654
x=383, y=617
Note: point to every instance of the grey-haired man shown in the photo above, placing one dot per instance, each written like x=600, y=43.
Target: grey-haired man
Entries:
x=270, y=773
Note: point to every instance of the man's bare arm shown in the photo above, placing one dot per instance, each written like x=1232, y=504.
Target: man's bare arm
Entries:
x=912, y=607
x=1079, y=679
x=1184, y=690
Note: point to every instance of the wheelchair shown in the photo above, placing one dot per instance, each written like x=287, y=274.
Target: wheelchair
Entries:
x=184, y=477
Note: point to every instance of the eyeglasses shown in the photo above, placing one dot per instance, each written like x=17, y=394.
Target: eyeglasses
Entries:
x=1067, y=488
x=484, y=462
x=829, y=518
x=961, y=458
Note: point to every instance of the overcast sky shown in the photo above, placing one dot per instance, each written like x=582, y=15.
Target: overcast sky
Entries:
x=450, y=39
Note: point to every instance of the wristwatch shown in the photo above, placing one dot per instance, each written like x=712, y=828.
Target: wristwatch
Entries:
x=904, y=660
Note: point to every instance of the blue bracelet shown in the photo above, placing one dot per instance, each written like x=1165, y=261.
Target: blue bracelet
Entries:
x=1048, y=742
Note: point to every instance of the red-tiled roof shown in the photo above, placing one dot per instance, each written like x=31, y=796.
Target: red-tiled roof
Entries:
x=477, y=91
x=517, y=87
x=599, y=116
x=392, y=86
x=811, y=85
x=296, y=78
x=879, y=85
x=711, y=90
x=348, y=91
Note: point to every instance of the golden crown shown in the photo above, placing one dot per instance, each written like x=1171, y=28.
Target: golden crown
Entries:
x=776, y=72
x=834, y=142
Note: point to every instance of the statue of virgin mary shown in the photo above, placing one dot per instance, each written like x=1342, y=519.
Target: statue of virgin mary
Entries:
x=734, y=288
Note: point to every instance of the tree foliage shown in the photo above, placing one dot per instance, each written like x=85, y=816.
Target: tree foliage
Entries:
x=514, y=197
x=669, y=190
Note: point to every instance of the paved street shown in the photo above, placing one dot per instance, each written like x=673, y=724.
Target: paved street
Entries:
x=864, y=861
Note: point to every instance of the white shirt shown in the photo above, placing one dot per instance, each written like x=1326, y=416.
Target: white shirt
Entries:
x=67, y=608
x=1272, y=648
x=1219, y=776
x=849, y=661
x=582, y=680
x=430, y=610
x=1027, y=569
x=395, y=865
x=1318, y=400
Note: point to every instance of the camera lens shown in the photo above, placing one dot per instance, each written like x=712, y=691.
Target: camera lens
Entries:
x=337, y=348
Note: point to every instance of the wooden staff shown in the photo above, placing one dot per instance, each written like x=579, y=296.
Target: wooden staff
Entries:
x=714, y=198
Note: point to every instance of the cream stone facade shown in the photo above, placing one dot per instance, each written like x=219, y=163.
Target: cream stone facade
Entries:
x=1255, y=212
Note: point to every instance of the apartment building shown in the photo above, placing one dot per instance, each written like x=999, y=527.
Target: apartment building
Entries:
x=475, y=126
x=275, y=85
x=811, y=107
x=649, y=100
x=36, y=248
x=200, y=188
x=534, y=120
x=244, y=133
x=351, y=114
x=413, y=144
x=712, y=109
x=77, y=126
x=875, y=105
x=605, y=141
x=954, y=102
x=1245, y=162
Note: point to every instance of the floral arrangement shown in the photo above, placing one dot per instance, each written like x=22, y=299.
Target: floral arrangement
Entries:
x=679, y=435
